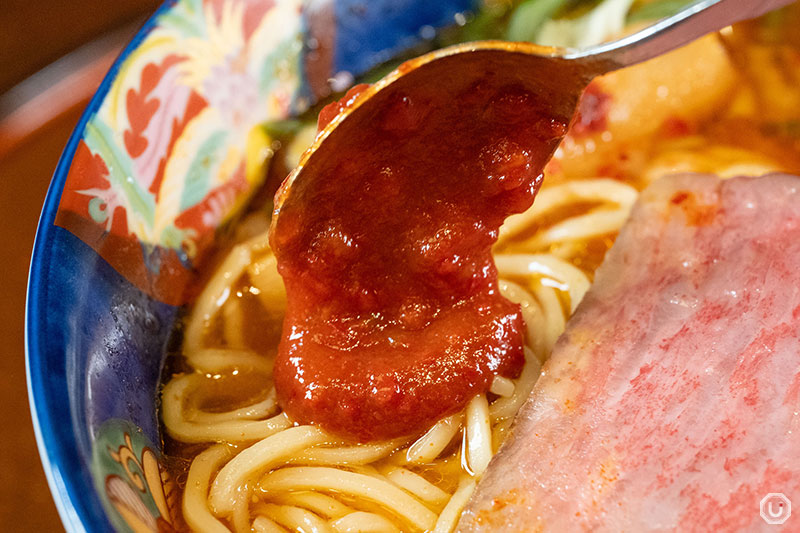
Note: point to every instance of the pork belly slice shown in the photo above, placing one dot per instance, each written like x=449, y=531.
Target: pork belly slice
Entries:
x=672, y=401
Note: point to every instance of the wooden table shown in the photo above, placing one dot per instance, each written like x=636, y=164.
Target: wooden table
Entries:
x=32, y=134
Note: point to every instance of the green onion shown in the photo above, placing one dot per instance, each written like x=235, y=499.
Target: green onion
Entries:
x=657, y=10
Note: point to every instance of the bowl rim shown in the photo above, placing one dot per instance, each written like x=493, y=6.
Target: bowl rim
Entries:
x=63, y=479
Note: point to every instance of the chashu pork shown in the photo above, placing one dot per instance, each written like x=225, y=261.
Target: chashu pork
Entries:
x=672, y=400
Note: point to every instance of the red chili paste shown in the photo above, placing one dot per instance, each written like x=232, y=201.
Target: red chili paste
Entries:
x=394, y=319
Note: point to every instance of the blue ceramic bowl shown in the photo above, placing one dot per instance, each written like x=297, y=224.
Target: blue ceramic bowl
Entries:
x=168, y=150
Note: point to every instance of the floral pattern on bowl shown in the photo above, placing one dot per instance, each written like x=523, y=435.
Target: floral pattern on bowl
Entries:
x=138, y=492
x=177, y=145
x=168, y=150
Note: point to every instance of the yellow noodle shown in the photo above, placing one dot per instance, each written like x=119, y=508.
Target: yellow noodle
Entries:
x=362, y=522
x=395, y=500
x=435, y=440
x=360, y=454
x=367, y=470
x=182, y=427
x=593, y=224
x=234, y=431
x=258, y=410
x=417, y=485
x=696, y=154
x=253, y=224
x=264, y=277
x=507, y=407
x=553, y=314
x=297, y=519
x=218, y=289
x=573, y=280
x=298, y=144
x=478, y=435
x=316, y=502
x=452, y=511
x=502, y=386
x=214, y=360
x=568, y=250
x=194, y=505
x=532, y=314
x=241, y=511
x=551, y=198
x=262, y=524
x=259, y=458
x=233, y=323
x=500, y=431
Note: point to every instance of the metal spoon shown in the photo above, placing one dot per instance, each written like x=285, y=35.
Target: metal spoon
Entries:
x=556, y=76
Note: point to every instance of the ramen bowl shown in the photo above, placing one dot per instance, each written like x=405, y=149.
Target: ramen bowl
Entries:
x=168, y=151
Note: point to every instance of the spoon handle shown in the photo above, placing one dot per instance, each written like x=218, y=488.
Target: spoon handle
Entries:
x=690, y=23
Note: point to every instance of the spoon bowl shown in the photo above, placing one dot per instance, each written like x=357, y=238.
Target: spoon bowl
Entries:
x=556, y=76
x=443, y=75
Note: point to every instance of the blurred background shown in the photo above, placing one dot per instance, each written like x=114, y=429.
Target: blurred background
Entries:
x=53, y=55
